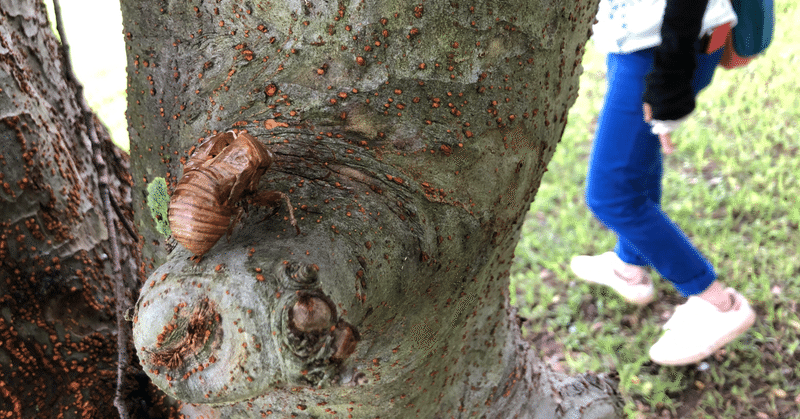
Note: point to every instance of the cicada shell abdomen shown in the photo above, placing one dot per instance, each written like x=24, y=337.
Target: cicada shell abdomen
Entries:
x=197, y=217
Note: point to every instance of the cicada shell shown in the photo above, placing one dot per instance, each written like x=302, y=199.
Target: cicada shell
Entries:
x=222, y=170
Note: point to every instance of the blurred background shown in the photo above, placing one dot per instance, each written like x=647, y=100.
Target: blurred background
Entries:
x=94, y=33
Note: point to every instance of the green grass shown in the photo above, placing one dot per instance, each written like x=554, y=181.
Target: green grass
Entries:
x=733, y=186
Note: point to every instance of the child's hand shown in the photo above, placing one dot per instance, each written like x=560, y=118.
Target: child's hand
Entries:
x=662, y=128
x=666, y=142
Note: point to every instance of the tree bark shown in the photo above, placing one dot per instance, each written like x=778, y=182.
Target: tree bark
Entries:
x=411, y=139
x=62, y=286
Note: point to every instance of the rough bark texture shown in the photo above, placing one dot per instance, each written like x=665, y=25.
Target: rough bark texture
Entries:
x=58, y=325
x=411, y=138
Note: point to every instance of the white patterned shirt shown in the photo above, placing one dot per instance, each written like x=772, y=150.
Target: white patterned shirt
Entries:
x=631, y=25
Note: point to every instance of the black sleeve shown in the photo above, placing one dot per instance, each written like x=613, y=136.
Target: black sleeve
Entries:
x=668, y=86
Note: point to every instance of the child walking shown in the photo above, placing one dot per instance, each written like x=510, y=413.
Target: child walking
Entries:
x=656, y=67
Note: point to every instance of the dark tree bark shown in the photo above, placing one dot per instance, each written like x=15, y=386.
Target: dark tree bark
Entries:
x=411, y=138
x=65, y=275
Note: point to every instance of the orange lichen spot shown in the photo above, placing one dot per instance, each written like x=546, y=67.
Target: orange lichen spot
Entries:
x=272, y=124
x=446, y=149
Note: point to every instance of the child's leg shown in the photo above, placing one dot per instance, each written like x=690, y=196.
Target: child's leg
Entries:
x=624, y=180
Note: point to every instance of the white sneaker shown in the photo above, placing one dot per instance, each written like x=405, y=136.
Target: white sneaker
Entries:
x=697, y=329
x=608, y=269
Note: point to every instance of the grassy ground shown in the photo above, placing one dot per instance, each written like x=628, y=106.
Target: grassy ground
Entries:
x=733, y=187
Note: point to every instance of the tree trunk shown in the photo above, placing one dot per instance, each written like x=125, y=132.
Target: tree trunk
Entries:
x=411, y=139
x=62, y=286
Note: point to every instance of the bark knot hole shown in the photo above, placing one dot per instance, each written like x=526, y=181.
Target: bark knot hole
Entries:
x=298, y=275
x=312, y=314
x=184, y=336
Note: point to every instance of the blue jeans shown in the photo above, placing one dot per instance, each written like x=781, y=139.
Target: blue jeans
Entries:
x=623, y=184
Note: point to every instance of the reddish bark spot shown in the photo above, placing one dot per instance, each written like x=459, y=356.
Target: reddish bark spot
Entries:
x=446, y=149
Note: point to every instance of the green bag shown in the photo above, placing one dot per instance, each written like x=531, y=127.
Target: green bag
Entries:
x=753, y=33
